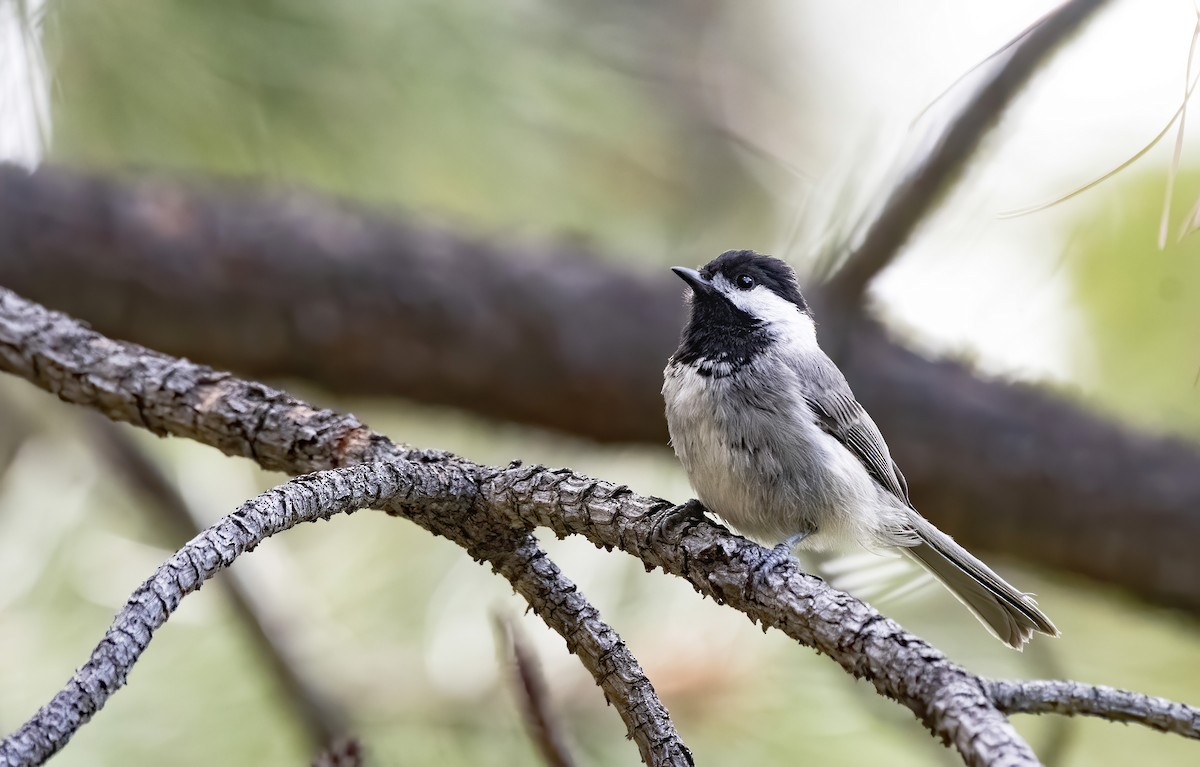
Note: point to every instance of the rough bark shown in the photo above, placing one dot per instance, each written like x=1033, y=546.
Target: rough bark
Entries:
x=171, y=396
x=1075, y=699
x=489, y=512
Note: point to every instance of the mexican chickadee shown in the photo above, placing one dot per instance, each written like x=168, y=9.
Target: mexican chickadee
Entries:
x=774, y=442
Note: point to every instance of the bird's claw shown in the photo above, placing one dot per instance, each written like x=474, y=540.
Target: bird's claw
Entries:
x=775, y=558
x=693, y=511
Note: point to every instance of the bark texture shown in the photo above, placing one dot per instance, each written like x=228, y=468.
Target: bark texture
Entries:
x=489, y=512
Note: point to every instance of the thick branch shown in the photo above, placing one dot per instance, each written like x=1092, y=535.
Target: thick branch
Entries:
x=298, y=286
x=171, y=396
x=1075, y=699
x=912, y=200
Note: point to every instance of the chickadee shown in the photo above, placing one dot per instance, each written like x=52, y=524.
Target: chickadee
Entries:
x=774, y=441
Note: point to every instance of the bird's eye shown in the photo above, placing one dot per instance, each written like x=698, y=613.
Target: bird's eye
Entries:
x=744, y=281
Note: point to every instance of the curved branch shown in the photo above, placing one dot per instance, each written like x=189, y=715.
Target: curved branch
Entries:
x=322, y=719
x=171, y=396
x=912, y=200
x=1076, y=699
x=488, y=510
x=304, y=499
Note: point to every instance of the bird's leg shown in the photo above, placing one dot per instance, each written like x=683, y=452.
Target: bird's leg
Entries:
x=693, y=511
x=774, y=558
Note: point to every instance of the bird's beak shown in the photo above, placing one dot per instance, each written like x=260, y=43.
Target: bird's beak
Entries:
x=696, y=281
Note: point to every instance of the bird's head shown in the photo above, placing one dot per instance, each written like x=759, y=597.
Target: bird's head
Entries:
x=747, y=289
x=742, y=304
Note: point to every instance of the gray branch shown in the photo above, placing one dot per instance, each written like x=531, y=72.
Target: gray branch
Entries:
x=911, y=201
x=171, y=396
x=1076, y=699
x=304, y=499
x=489, y=511
x=322, y=720
x=302, y=285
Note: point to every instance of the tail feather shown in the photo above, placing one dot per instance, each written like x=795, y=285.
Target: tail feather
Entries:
x=1011, y=615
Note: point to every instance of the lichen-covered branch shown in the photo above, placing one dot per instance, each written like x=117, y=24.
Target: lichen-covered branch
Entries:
x=1076, y=699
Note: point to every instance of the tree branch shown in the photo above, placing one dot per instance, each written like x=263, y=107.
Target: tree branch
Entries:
x=171, y=396
x=489, y=511
x=912, y=200
x=305, y=499
x=543, y=726
x=1076, y=699
x=554, y=339
x=319, y=717
x=176, y=397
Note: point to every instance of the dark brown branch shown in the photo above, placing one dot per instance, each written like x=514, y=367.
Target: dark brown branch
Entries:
x=357, y=301
x=912, y=200
x=299, y=286
x=544, y=727
x=321, y=720
x=171, y=396
x=347, y=752
x=1075, y=699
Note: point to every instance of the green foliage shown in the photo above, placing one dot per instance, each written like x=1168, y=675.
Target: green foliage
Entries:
x=490, y=112
x=1140, y=306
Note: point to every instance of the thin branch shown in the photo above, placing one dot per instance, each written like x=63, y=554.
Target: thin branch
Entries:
x=321, y=719
x=1076, y=699
x=544, y=727
x=304, y=499
x=347, y=752
x=172, y=396
x=538, y=580
x=912, y=200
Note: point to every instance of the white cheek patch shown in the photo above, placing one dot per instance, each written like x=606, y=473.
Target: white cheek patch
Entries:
x=783, y=318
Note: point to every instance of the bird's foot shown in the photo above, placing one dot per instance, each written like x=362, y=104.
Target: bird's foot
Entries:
x=691, y=512
x=774, y=558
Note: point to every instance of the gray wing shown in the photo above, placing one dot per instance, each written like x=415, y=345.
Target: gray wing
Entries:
x=840, y=416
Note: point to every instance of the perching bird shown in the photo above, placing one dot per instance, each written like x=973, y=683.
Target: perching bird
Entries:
x=774, y=441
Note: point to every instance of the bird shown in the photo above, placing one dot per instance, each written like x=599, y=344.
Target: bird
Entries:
x=774, y=442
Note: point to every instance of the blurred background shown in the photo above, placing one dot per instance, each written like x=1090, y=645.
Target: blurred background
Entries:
x=646, y=134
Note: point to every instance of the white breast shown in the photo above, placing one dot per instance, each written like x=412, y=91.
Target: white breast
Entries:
x=759, y=460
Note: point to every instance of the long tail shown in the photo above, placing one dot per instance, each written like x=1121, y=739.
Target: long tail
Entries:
x=1011, y=615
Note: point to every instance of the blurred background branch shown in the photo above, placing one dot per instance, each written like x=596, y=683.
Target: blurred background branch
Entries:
x=301, y=287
